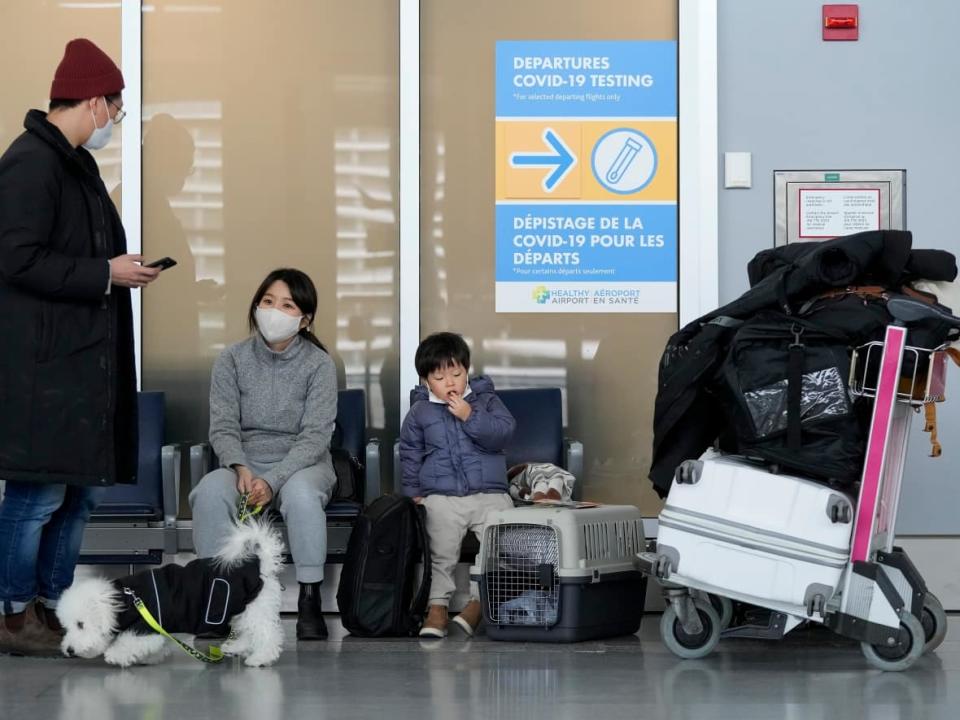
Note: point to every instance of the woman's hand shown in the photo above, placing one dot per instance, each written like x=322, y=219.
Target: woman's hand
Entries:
x=260, y=492
x=244, y=479
x=459, y=407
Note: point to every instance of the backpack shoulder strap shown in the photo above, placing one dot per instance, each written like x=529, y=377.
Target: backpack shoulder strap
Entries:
x=419, y=605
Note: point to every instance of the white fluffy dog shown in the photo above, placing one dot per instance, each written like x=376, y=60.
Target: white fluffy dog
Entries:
x=239, y=590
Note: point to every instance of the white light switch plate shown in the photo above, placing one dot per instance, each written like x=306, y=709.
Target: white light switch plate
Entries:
x=736, y=170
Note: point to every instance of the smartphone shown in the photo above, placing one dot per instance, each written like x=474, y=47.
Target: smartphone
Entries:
x=162, y=263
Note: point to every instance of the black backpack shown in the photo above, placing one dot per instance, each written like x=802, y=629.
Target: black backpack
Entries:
x=377, y=597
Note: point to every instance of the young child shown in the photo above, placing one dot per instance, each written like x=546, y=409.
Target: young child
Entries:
x=452, y=459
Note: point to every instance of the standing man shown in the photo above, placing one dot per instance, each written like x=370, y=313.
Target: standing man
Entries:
x=68, y=404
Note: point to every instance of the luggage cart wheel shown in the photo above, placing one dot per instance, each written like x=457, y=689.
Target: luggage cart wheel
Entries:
x=693, y=646
x=902, y=652
x=934, y=621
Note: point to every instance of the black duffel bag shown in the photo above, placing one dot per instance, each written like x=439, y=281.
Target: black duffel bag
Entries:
x=784, y=387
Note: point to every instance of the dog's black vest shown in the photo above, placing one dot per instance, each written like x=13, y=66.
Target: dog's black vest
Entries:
x=195, y=598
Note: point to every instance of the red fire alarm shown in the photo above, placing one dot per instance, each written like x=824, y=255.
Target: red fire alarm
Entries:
x=841, y=22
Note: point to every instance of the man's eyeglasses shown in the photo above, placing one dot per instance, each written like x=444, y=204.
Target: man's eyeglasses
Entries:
x=121, y=113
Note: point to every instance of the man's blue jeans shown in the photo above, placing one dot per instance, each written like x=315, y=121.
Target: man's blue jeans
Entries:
x=41, y=529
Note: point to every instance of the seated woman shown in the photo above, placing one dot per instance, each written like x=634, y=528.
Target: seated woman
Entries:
x=273, y=404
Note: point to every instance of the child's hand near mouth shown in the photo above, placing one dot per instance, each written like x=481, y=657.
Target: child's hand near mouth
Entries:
x=458, y=406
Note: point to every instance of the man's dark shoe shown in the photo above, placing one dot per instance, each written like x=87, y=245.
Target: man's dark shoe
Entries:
x=310, y=624
x=27, y=634
x=51, y=620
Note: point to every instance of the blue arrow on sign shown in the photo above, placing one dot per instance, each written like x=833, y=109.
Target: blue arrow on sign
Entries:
x=561, y=159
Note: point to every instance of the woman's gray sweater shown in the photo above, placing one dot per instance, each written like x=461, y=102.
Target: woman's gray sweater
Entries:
x=268, y=407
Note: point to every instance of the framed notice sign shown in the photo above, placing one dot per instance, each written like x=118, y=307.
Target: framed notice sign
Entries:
x=812, y=205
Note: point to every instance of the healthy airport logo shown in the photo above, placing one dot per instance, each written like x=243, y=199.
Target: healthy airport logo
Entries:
x=541, y=294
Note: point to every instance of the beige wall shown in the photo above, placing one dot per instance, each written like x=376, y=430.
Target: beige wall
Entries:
x=606, y=364
x=270, y=139
x=34, y=36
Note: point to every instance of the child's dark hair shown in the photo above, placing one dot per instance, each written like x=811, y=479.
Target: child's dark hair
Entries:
x=303, y=292
x=441, y=350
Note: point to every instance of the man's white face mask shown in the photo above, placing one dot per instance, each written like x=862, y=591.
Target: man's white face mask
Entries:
x=101, y=135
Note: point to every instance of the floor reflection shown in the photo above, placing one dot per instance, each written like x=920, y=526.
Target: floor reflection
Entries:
x=811, y=675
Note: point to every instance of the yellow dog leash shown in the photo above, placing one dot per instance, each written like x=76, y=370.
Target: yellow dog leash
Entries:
x=215, y=655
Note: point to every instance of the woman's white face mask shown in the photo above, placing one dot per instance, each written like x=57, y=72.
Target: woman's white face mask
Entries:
x=101, y=135
x=275, y=325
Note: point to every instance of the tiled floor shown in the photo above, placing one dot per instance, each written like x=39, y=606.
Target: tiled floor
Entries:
x=809, y=676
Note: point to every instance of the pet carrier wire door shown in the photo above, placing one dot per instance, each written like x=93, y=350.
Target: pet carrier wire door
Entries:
x=524, y=589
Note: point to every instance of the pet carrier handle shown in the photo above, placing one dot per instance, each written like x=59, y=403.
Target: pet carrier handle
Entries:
x=420, y=598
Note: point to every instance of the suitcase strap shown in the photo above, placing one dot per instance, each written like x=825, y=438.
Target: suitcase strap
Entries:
x=876, y=292
x=794, y=389
x=930, y=426
x=930, y=412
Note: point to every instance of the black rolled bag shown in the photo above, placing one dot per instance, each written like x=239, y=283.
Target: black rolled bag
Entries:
x=766, y=376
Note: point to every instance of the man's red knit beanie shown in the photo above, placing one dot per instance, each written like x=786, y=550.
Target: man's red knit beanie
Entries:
x=86, y=71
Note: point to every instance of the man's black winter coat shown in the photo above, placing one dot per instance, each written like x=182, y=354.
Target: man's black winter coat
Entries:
x=68, y=405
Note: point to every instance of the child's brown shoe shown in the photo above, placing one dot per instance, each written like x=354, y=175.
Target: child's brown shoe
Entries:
x=435, y=626
x=469, y=618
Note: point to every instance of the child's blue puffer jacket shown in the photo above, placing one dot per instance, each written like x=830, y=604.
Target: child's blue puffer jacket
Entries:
x=443, y=455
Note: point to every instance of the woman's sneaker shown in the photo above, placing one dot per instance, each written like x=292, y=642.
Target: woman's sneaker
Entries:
x=435, y=626
x=469, y=618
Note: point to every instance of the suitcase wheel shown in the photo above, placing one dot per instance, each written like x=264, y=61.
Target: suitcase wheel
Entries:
x=691, y=645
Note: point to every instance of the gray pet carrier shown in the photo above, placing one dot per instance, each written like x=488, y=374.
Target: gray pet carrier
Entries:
x=560, y=574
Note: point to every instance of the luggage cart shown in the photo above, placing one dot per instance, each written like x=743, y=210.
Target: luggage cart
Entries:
x=878, y=596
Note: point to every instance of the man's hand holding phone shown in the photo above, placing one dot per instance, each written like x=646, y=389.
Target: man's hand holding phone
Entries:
x=127, y=271
x=162, y=264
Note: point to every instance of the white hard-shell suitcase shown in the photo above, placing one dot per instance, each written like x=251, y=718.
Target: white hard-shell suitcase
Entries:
x=735, y=529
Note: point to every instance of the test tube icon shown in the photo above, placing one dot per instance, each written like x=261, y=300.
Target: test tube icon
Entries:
x=624, y=159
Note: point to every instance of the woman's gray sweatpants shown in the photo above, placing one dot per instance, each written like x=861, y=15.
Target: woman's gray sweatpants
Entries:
x=301, y=501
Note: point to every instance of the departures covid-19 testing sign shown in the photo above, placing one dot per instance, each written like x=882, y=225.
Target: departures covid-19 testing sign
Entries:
x=586, y=176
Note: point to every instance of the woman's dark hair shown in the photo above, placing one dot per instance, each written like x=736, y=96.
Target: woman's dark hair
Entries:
x=303, y=292
x=62, y=104
x=441, y=350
